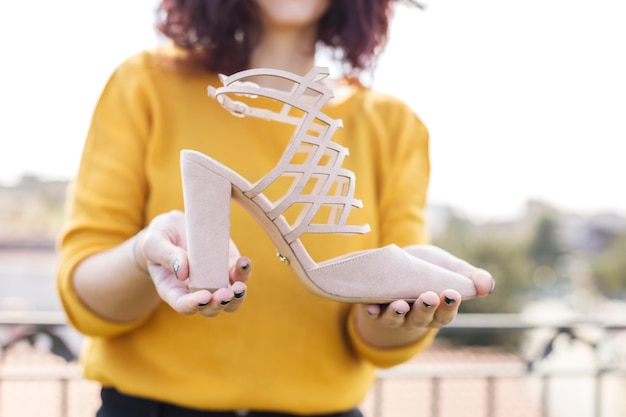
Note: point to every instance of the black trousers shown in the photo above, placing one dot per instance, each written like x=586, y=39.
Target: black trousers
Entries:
x=116, y=404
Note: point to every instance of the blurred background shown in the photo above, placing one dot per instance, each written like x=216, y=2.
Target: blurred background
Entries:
x=525, y=104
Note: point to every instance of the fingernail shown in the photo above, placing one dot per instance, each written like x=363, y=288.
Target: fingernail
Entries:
x=203, y=304
x=372, y=312
x=239, y=294
x=449, y=301
x=400, y=313
x=224, y=302
x=427, y=305
x=176, y=268
x=493, y=286
x=245, y=266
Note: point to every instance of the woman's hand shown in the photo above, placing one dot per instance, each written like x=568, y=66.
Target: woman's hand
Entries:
x=483, y=281
x=400, y=322
x=162, y=248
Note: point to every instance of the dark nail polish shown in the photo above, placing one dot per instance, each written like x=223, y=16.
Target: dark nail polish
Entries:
x=224, y=302
x=239, y=294
x=449, y=301
x=245, y=266
x=427, y=305
x=400, y=313
x=203, y=304
x=176, y=268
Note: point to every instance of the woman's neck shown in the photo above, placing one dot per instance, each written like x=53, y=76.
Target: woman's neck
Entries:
x=285, y=50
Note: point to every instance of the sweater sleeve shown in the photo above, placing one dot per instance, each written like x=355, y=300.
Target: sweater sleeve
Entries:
x=404, y=172
x=106, y=201
x=405, y=176
x=386, y=358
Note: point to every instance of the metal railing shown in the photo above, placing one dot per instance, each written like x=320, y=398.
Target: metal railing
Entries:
x=433, y=393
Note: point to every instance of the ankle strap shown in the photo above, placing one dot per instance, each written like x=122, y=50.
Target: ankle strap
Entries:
x=236, y=84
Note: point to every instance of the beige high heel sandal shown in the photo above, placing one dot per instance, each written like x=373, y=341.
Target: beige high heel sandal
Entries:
x=371, y=276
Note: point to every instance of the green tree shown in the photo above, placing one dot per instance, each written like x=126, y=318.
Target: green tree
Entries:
x=545, y=247
x=609, y=268
x=500, y=252
x=505, y=256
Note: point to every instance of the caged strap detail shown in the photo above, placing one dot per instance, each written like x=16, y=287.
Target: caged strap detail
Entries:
x=313, y=164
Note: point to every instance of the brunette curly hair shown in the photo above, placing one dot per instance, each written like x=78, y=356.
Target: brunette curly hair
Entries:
x=222, y=34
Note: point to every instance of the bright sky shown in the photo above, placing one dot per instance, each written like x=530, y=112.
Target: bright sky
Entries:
x=523, y=99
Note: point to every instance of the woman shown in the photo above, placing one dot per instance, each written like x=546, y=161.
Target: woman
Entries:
x=157, y=347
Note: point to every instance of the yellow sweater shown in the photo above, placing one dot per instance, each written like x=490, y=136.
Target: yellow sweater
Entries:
x=285, y=349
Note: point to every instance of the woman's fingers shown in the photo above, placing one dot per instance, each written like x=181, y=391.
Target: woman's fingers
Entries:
x=176, y=292
x=239, y=290
x=394, y=314
x=163, y=245
x=240, y=271
x=430, y=310
x=449, y=303
x=423, y=310
x=483, y=281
